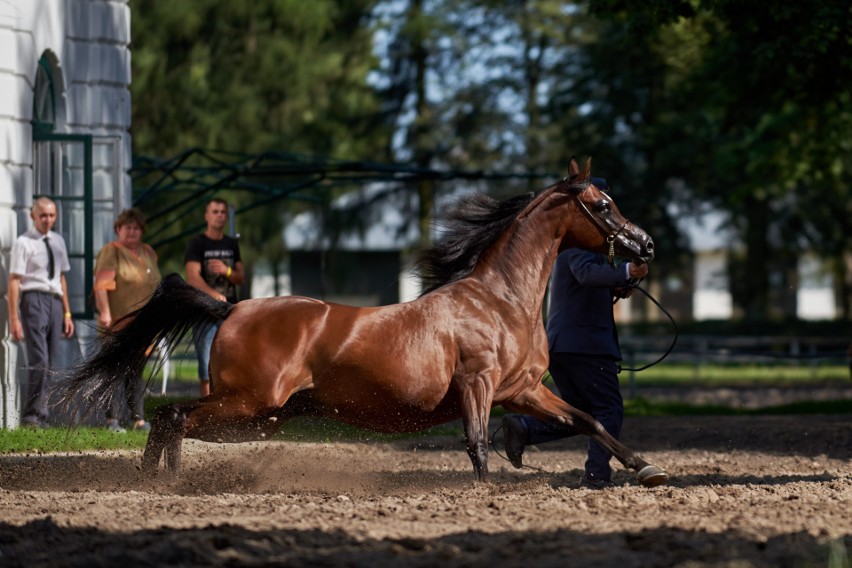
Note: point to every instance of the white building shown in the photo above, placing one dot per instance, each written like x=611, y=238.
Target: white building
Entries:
x=367, y=262
x=383, y=241
x=712, y=244
x=64, y=119
x=711, y=296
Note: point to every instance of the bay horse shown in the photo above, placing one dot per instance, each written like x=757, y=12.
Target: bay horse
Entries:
x=472, y=340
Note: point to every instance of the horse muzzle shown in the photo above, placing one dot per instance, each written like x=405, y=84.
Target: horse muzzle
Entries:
x=638, y=245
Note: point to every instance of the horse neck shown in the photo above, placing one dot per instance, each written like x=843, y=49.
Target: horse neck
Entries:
x=519, y=263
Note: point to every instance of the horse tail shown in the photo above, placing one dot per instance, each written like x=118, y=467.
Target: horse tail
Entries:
x=172, y=311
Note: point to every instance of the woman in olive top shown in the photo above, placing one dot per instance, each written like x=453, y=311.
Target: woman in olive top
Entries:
x=126, y=275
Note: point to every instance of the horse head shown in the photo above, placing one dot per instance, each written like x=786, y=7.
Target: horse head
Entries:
x=602, y=227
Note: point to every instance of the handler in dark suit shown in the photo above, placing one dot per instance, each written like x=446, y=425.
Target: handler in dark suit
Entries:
x=584, y=353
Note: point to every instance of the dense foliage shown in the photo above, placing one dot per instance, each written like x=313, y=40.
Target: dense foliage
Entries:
x=684, y=104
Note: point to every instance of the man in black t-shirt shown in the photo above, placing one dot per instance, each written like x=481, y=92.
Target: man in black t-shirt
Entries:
x=213, y=265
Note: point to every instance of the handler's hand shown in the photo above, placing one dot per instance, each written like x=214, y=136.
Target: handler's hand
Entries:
x=622, y=292
x=637, y=271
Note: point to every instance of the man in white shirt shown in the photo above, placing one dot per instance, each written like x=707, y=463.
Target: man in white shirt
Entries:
x=37, y=279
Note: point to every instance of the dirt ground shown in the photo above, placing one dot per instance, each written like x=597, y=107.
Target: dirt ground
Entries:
x=744, y=491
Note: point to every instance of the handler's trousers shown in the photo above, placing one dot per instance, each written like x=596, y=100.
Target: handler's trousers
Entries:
x=588, y=383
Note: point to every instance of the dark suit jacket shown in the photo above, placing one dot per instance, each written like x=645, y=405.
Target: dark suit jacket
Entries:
x=580, y=316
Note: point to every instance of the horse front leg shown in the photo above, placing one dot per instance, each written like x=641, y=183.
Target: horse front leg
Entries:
x=543, y=404
x=476, y=396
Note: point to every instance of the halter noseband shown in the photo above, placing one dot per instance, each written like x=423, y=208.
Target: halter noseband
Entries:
x=610, y=237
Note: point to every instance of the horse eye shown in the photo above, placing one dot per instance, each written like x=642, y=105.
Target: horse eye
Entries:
x=603, y=206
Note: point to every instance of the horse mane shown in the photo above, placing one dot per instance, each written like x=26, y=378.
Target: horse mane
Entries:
x=471, y=227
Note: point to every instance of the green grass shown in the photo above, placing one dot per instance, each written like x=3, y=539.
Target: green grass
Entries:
x=184, y=369
x=314, y=430
x=50, y=440
x=25, y=440
x=641, y=407
x=678, y=374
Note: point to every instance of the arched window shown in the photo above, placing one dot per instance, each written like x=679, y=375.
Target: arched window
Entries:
x=81, y=172
x=44, y=101
x=62, y=170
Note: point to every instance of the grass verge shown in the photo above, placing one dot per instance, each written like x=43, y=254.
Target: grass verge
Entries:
x=667, y=374
x=24, y=440
x=51, y=440
x=642, y=407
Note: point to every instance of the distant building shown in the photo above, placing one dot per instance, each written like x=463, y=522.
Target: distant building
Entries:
x=810, y=298
x=711, y=244
x=367, y=267
x=370, y=267
x=64, y=119
x=815, y=295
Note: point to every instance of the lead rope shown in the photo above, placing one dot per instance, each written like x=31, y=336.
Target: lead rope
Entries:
x=496, y=451
x=671, y=319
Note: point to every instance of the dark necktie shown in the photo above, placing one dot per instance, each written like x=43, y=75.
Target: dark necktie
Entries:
x=49, y=258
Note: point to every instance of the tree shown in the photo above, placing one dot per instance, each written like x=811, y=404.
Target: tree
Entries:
x=604, y=93
x=436, y=98
x=250, y=77
x=765, y=115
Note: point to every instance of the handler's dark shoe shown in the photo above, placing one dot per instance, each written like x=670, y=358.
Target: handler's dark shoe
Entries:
x=589, y=481
x=514, y=438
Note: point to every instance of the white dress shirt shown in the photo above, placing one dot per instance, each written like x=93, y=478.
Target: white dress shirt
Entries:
x=29, y=260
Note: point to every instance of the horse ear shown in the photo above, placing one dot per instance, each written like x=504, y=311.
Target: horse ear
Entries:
x=587, y=170
x=573, y=168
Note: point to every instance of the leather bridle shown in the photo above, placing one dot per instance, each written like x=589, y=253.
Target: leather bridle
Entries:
x=576, y=190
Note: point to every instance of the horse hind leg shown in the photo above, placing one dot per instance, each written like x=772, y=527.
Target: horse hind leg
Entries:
x=226, y=417
x=173, y=454
x=220, y=419
x=542, y=403
x=647, y=475
x=166, y=436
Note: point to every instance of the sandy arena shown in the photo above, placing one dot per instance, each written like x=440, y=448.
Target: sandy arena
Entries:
x=745, y=491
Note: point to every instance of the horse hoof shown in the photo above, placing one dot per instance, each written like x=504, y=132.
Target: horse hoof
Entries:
x=652, y=476
x=149, y=471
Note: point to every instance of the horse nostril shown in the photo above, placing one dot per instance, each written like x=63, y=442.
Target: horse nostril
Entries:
x=649, y=247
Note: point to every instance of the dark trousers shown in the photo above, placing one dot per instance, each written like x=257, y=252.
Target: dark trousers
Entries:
x=41, y=318
x=133, y=392
x=589, y=383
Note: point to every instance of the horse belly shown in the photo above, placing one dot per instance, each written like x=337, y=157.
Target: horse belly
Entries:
x=345, y=363
x=385, y=398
